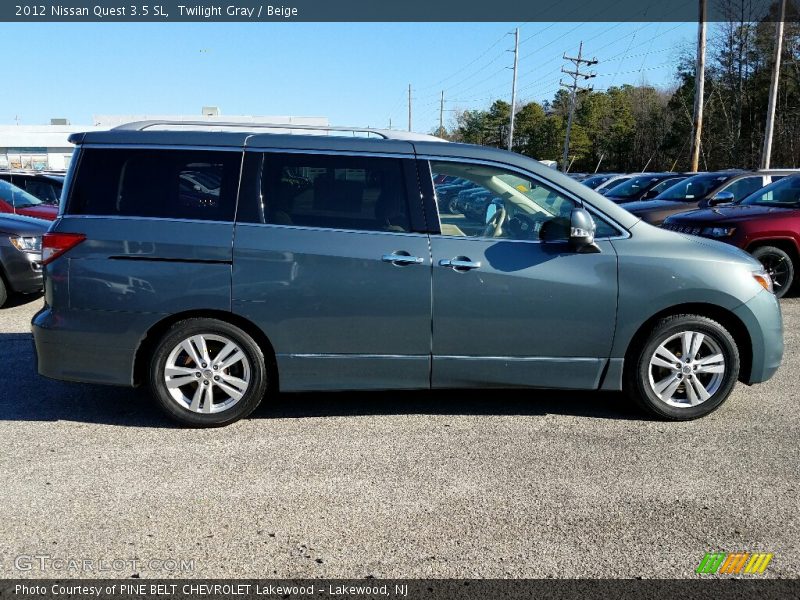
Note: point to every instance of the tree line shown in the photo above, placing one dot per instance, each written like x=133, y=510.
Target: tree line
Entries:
x=632, y=128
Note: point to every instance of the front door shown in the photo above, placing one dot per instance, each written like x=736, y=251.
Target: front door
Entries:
x=513, y=304
x=330, y=268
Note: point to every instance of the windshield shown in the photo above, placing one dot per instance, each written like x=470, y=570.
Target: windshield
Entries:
x=16, y=197
x=695, y=187
x=596, y=180
x=660, y=187
x=784, y=193
x=633, y=187
x=612, y=184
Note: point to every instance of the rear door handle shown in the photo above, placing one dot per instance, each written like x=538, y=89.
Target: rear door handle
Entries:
x=401, y=258
x=460, y=264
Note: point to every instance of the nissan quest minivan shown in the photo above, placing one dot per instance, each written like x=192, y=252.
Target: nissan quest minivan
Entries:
x=222, y=264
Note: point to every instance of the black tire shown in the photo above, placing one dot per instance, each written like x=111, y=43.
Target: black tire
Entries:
x=636, y=378
x=251, y=368
x=779, y=265
x=3, y=292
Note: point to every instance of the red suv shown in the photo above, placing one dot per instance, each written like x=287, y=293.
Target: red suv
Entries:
x=765, y=223
x=19, y=202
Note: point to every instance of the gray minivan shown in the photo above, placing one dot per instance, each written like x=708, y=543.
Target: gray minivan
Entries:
x=221, y=264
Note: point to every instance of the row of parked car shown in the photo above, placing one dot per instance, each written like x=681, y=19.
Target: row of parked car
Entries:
x=758, y=211
x=28, y=202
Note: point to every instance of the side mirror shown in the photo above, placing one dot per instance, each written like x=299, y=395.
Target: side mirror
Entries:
x=581, y=231
x=649, y=194
x=720, y=198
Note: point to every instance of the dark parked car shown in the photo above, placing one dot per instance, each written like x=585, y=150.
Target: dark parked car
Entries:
x=596, y=180
x=358, y=278
x=641, y=187
x=15, y=201
x=766, y=224
x=45, y=186
x=696, y=191
x=20, y=255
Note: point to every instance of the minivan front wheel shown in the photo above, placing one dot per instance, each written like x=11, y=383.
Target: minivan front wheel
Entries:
x=207, y=373
x=686, y=368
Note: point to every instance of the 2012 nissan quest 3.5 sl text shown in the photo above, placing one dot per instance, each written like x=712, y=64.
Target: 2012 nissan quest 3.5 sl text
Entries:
x=222, y=265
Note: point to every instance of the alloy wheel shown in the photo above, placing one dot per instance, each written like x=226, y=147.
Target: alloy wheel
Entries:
x=687, y=369
x=207, y=373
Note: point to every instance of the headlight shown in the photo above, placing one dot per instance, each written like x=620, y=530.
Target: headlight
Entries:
x=27, y=244
x=718, y=232
x=763, y=278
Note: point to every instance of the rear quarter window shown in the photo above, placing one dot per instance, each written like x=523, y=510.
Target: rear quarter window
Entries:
x=172, y=184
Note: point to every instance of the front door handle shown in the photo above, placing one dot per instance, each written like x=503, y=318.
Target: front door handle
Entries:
x=460, y=264
x=401, y=258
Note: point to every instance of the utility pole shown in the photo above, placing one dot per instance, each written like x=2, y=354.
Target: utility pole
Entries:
x=409, y=107
x=766, y=155
x=699, y=85
x=441, y=116
x=514, y=90
x=574, y=89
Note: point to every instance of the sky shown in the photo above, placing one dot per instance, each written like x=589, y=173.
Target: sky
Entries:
x=355, y=74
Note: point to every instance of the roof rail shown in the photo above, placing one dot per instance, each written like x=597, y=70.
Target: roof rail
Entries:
x=208, y=125
x=143, y=125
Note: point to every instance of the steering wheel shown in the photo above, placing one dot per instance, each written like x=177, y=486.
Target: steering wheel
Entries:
x=494, y=228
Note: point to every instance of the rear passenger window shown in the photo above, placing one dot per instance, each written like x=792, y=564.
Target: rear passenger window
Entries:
x=334, y=192
x=174, y=184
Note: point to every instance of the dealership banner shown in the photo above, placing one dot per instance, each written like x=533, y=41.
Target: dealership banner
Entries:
x=433, y=589
x=407, y=10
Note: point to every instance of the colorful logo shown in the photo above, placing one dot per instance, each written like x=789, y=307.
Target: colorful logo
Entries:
x=734, y=563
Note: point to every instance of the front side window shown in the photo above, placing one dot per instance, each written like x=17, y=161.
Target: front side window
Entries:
x=783, y=194
x=178, y=184
x=741, y=188
x=335, y=192
x=500, y=204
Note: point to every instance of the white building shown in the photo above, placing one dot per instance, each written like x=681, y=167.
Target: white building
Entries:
x=46, y=146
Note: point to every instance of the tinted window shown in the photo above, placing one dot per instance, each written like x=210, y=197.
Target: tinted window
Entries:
x=174, y=184
x=784, y=193
x=44, y=190
x=596, y=180
x=633, y=187
x=694, y=188
x=742, y=188
x=16, y=197
x=334, y=192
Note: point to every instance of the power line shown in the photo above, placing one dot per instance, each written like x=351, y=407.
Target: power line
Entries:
x=574, y=88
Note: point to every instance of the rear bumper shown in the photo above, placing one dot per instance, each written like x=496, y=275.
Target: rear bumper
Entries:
x=762, y=317
x=84, y=346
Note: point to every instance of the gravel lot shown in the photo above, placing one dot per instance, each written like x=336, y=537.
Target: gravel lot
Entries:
x=491, y=484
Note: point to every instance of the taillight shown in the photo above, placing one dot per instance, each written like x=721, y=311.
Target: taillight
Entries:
x=55, y=244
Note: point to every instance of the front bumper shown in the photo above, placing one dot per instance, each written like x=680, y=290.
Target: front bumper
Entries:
x=764, y=322
x=23, y=271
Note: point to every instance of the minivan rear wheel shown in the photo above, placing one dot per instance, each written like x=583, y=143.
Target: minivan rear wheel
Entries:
x=207, y=373
x=779, y=265
x=686, y=368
